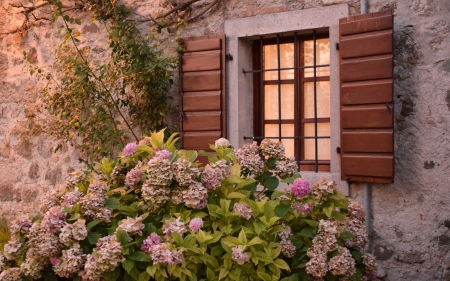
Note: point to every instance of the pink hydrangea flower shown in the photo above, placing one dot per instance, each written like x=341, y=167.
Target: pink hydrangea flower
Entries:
x=238, y=255
x=163, y=153
x=302, y=208
x=150, y=242
x=54, y=260
x=195, y=224
x=300, y=187
x=130, y=149
x=244, y=209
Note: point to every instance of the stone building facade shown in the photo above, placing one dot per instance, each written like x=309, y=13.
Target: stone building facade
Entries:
x=410, y=218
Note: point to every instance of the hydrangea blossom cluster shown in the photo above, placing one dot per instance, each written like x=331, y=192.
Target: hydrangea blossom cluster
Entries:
x=159, y=171
x=195, y=224
x=69, y=199
x=72, y=233
x=238, y=255
x=174, y=226
x=132, y=226
x=324, y=186
x=130, y=149
x=194, y=196
x=185, y=171
x=286, y=167
x=106, y=256
x=342, y=264
x=300, y=188
x=55, y=219
x=70, y=263
x=156, y=195
x=302, y=208
x=161, y=253
x=249, y=159
x=355, y=225
x=93, y=203
x=74, y=178
x=20, y=225
x=244, y=209
x=11, y=274
x=270, y=148
x=222, y=143
x=214, y=174
x=287, y=247
x=48, y=200
x=163, y=153
x=371, y=265
x=133, y=177
x=151, y=241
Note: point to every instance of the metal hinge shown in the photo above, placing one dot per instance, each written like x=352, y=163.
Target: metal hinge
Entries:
x=229, y=56
x=337, y=46
x=338, y=150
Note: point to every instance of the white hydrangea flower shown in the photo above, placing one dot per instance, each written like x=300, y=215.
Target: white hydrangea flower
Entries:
x=132, y=226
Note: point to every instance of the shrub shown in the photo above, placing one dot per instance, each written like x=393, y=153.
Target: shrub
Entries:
x=154, y=213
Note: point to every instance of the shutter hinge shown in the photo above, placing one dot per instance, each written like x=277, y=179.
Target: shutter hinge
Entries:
x=229, y=57
x=181, y=117
x=337, y=46
x=388, y=106
x=338, y=150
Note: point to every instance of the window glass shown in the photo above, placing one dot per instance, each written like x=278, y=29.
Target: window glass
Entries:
x=323, y=99
x=323, y=129
x=322, y=57
x=271, y=102
x=286, y=60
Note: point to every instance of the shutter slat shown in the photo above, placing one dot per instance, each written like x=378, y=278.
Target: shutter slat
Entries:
x=366, y=73
x=366, y=68
x=374, y=43
x=202, y=92
x=193, y=45
x=362, y=24
x=201, y=63
x=202, y=121
x=366, y=117
x=371, y=141
x=368, y=165
x=200, y=140
x=202, y=82
x=367, y=92
x=198, y=101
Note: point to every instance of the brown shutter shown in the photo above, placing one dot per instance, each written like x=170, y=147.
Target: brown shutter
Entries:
x=366, y=67
x=202, y=87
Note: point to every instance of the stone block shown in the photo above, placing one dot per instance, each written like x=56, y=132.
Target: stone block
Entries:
x=272, y=9
x=24, y=148
x=33, y=172
x=5, y=149
x=7, y=191
x=53, y=175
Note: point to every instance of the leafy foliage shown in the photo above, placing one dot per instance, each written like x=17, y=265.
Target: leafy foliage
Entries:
x=98, y=106
x=237, y=234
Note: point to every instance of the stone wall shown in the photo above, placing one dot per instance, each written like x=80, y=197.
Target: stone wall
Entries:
x=411, y=218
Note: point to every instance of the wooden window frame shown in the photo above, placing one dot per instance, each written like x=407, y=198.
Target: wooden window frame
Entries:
x=298, y=81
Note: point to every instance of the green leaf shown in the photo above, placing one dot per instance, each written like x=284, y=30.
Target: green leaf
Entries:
x=210, y=274
x=128, y=265
x=77, y=21
x=151, y=269
x=291, y=179
x=311, y=222
x=93, y=223
x=357, y=276
x=144, y=276
x=281, y=264
x=328, y=210
x=93, y=237
x=308, y=232
x=122, y=237
x=112, y=203
x=51, y=277
x=271, y=162
x=337, y=216
x=112, y=275
x=271, y=183
x=235, y=195
x=282, y=210
x=276, y=194
x=223, y=273
x=346, y=235
x=139, y=256
x=251, y=187
x=357, y=255
x=36, y=218
x=255, y=241
x=264, y=276
x=242, y=237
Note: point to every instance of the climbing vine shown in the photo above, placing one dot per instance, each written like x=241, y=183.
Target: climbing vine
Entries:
x=100, y=106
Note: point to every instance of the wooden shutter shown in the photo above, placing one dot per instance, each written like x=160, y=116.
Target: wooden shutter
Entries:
x=366, y=74
x=202, y=87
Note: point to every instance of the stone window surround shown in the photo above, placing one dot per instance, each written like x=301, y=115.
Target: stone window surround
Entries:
x=240, y=34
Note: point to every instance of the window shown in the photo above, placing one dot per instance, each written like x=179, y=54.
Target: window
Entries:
x=291, y=87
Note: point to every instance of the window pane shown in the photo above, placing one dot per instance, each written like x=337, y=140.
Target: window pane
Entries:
x=322, y=57
x=323, y=129
x=271, y=102
x=323, y=99
x=271, y=61
x=287, y=130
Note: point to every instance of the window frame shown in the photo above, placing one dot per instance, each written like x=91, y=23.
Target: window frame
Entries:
x=259, y=82
x=240, y=34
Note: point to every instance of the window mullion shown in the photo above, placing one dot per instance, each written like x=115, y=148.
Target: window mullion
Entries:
x=296, y=100
x=261, y=63
x=315, y=105
x=279, y=87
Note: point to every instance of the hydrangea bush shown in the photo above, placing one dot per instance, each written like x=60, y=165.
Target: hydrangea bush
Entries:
x=154, y=213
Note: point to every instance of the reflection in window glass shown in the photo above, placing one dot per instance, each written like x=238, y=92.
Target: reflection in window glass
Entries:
x=271, y=102
x=287, y=130
x=322, y=57
x=323, y=99
x=323, y=129
x=286, y=60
